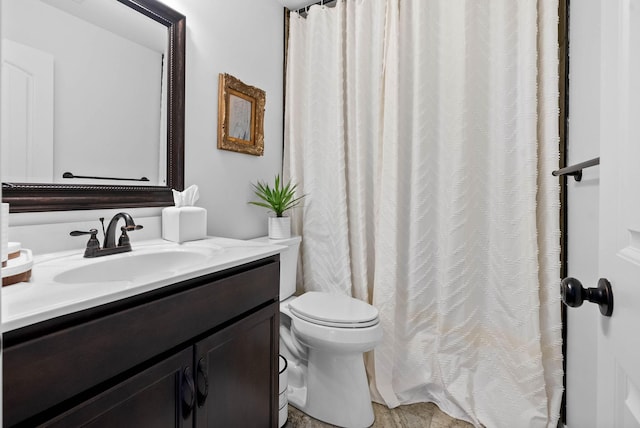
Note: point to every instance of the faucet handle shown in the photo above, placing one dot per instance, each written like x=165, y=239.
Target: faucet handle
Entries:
x=92, y=232
x=131, y=228
x=93, y=244
x=124, y=238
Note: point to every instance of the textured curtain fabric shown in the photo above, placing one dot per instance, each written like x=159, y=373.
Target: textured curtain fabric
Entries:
x=424, y=133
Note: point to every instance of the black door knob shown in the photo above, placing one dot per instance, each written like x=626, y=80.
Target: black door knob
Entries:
x=573, y=294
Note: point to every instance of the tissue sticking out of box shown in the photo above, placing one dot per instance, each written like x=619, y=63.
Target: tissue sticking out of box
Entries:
x=184, y=222
x=186, y=198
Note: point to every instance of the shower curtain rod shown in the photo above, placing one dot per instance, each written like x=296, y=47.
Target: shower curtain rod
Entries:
x=576, y=170
x=320, y=3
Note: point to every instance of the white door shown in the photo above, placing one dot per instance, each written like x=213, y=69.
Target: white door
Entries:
x=618, y=371
x=603, y=355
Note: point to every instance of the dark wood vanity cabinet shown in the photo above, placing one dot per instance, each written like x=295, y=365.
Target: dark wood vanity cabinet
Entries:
x=200, y=353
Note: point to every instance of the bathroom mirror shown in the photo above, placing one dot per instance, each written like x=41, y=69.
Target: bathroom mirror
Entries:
x=109, y=130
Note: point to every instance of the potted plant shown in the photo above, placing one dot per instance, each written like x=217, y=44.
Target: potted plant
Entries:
x=278, y=199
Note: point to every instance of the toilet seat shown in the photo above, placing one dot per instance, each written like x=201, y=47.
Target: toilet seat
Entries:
x=334, y=310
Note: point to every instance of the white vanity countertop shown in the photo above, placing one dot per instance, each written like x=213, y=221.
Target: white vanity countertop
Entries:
x=55, y=290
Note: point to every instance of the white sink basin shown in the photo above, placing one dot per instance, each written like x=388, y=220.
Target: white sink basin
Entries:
x=136, y=265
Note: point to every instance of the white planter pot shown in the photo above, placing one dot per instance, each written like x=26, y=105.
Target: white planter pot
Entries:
x=279, y=227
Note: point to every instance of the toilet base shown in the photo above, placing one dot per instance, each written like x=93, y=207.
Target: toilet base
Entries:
x=337, y=390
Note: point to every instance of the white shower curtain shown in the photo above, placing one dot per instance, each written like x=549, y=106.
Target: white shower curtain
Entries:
x=424, y=133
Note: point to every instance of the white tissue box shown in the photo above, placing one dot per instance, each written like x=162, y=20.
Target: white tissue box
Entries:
x=184, y=224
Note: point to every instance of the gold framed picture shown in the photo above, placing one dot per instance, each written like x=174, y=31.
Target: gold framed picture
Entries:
x=240, y=116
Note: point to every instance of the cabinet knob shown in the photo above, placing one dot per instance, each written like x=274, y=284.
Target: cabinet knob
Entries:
x=188, y=392
x=202, y=381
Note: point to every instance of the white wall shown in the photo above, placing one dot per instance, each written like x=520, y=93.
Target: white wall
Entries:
x=245, y=39
x=583, y=202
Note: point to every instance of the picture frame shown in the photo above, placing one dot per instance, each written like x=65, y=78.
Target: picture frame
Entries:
x=240, y=116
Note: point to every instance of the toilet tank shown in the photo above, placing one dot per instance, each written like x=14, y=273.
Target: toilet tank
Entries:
x=288, y=263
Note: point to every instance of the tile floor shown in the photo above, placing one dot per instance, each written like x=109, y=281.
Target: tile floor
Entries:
x=420, y=415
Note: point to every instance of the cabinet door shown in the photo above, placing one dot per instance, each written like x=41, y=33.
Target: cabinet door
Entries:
x=237, y=373
x=160, y=396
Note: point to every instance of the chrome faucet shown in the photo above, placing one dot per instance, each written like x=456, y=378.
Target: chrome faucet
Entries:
x=93, y=245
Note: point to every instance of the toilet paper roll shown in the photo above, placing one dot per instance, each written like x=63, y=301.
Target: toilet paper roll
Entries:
x=4, y=231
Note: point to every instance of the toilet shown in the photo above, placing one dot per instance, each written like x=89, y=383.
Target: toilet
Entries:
x=323, y=337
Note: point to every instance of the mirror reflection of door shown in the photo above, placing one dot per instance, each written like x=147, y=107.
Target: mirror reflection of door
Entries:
x=27, y=114
x=109, y=90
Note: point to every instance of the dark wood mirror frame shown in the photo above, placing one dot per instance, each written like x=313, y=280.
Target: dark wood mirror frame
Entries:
x=27, y=197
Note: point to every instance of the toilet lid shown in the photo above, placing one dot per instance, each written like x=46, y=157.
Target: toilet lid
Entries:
x=335, y=310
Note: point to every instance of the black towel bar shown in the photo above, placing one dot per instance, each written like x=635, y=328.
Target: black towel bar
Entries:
x=71, y=175
x=576, y=170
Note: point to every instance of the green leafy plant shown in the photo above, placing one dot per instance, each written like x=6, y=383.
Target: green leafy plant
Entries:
x=277, y=199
